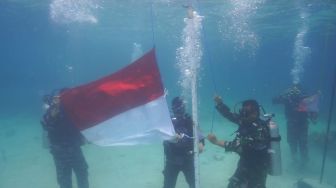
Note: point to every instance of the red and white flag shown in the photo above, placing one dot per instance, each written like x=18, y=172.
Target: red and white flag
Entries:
x=310, y=103
x=124, y=108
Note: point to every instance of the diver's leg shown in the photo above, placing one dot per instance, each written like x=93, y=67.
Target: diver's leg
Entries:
x=238, y=180
x=234, y=183
x=80, y=168
x=189, y=172
x=303, y=141
x=292, y=140
x=63, y=168
x=170, y=175
x=257, y=176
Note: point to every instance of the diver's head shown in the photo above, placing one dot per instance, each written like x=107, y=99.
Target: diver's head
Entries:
x=51, y=103
x=178, y=106
x=56, y=100
x=55, y=105
x=53, y=99
x=250, y=110
x=47, y=101
x=294, y=91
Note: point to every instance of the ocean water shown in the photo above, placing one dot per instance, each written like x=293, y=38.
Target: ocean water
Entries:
x=238, y=49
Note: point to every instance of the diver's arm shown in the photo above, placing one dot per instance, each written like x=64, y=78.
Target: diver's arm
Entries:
x=201, y=147
x=225, y=111
x=279, y=100
x=43, y=123
x=213, y=139
x=232, y=146
x=47, y=121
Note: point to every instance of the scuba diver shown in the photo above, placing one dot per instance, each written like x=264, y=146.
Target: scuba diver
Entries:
x=251, y=144
x=65, y=144
x=179, y=154
x=297, y=122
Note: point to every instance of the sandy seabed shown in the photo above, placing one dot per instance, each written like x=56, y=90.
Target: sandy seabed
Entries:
x=25, y=163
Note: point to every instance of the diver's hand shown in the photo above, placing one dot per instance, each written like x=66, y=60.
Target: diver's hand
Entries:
x=200, y=147
x=212, y=138
x=218, y=99
x=178, y=137
x=175, y=138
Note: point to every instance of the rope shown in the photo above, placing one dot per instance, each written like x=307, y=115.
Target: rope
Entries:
x=152, y=24
x=210, y=60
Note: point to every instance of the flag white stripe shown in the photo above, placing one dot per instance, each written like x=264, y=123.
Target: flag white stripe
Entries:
x=148, y=123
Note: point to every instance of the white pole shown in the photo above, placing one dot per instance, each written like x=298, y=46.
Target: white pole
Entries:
x=195, y=129
x=189, y=57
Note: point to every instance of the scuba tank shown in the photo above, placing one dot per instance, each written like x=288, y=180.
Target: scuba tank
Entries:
x=274, y=149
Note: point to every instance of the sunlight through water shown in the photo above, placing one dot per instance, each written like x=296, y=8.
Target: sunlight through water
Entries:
x=236, y=25
x=73, y=11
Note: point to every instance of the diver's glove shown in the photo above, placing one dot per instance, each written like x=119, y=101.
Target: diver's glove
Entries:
x=176, y=138
x=218, y=100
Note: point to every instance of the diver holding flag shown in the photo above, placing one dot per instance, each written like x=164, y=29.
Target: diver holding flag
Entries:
x=299, y=109
x=179, y=154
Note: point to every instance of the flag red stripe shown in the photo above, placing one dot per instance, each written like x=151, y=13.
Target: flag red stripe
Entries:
x=132, y=86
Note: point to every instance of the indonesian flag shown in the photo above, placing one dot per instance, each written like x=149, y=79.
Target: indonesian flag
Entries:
x=310, y=103
x=124, y=108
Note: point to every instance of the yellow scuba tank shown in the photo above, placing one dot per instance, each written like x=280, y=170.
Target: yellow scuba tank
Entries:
x=274, y=150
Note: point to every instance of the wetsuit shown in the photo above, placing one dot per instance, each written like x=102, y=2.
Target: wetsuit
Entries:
x=251, y=143
x=297, y=125
x=179, y=155
x=65, y=141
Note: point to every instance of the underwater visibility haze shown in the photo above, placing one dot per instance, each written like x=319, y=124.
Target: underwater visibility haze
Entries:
x=238, y=49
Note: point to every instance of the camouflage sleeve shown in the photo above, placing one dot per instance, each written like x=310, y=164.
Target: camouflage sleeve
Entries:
x=43, y=122
x=224, y=110
x=233, y=146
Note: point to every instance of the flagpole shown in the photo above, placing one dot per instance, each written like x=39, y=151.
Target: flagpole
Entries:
x=195, y=128
x=189, y=56
x=331, y=109
x=194, y=103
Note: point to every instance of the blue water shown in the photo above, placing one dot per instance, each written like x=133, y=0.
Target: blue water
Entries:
x=249, y=48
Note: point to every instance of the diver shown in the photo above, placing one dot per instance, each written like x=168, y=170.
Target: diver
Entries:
x=65, y=144
x=179, y=154
x=297, y=123
x=251, y=144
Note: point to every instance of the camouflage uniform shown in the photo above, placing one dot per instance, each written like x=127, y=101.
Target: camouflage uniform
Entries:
x=65, y=141
x=297, y=124
x=179, y=156
x=251, y=143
